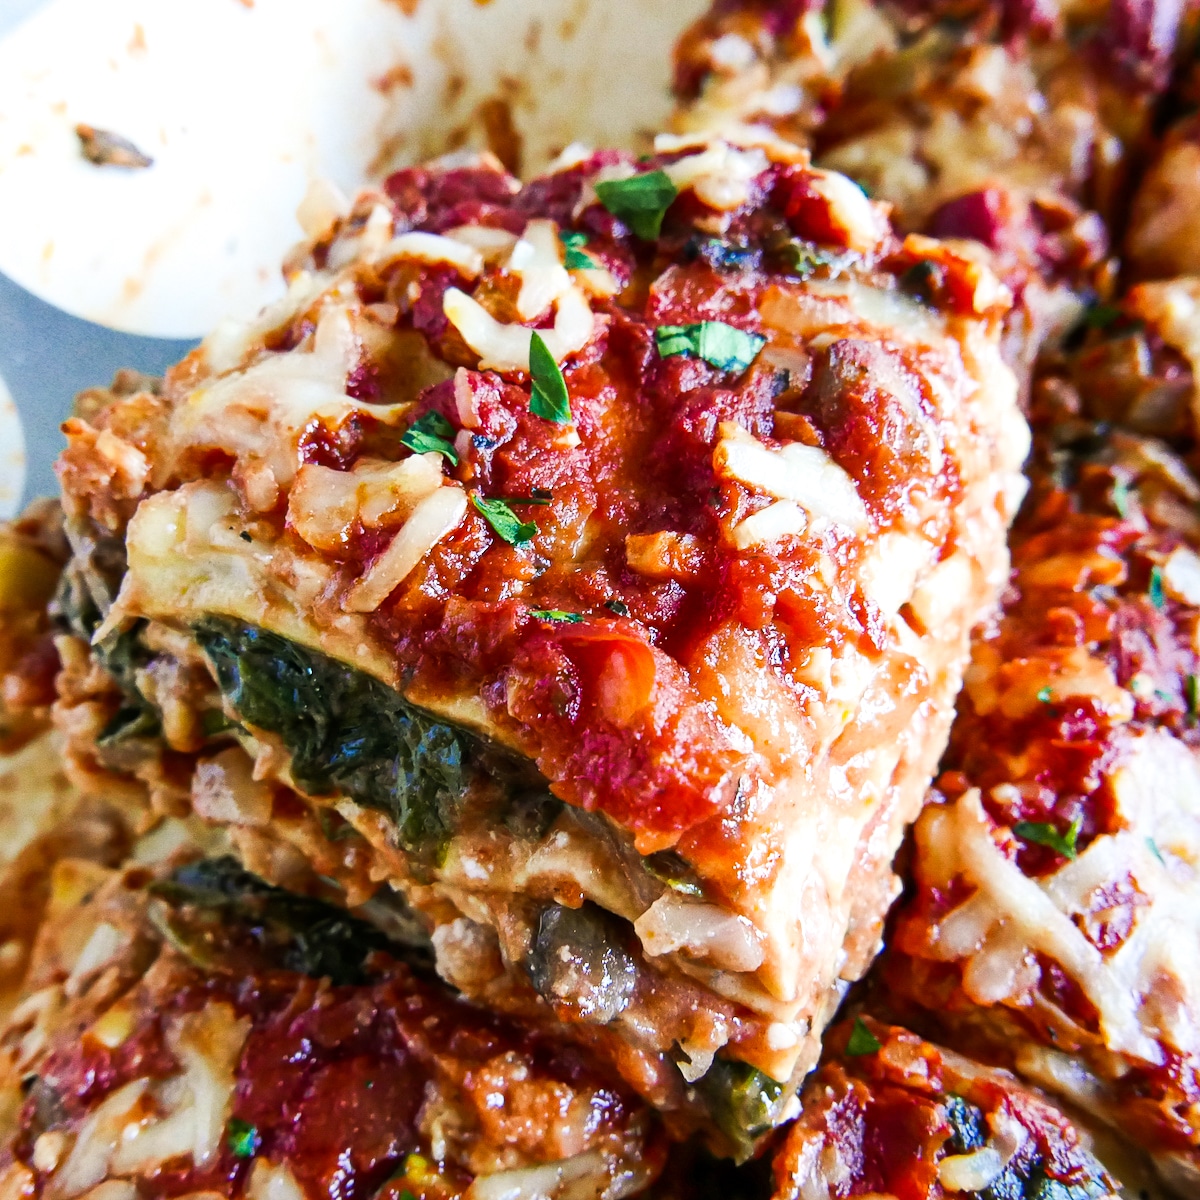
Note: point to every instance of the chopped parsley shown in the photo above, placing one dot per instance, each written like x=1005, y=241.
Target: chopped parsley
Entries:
x=556, y=614
x=549, y=397
x=1044, y=834
x=431, y=432
x=1045, y=695
x=1120, y=498
x=1152, y=846
x=862, y=1040
x=622, y=610
x=640, y=201
x=1157, y=595
x=804, y=258
x=1101, y=316
x=1191, y=689
x=503, y=520
x=574, y=258
x=243, y=1138
x=721, y=345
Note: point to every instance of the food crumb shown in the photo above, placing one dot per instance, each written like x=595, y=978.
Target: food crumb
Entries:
x=108, y=149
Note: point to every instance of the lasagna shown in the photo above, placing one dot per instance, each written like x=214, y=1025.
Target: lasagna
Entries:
x=1015, y=126
x=601, y=553
x=188, y=1030
x=1055, y=887
x=892, y=1117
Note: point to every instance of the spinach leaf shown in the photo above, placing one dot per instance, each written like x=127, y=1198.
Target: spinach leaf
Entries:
x=967, y=1130
x=348, y=733
x=217, y=914
x=743, y=1101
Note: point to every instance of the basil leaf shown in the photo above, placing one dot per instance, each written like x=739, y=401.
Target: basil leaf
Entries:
x=556, y=614
x=640, y=201
x=431, y=431
x=549, y=397
x=243, y=1138
x=1044, y=834
x=574, y=258
x=503, y=520
x=721, y=345
x=1157, y=596
x=862, y=1040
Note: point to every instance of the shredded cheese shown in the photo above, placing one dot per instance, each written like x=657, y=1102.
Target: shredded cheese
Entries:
x=506, y=347
x=436, y=516
x=1158, y=788
x=803, y=474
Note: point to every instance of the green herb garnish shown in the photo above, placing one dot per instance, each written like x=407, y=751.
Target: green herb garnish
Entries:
x=1045, y=695
x=574, y=257
x=1191, y=689
x=862, y=1040
x=1157, y=595
x=1101, y=316
x=549, y=397
x=503, y=520
x=721, y=345
x=243, y=1138
x=803, y=258
x=640, y=201
x=622, y=609
x=1044, y=834
x=556, y=614
x=1152, y=846
x=431, y=431
x=1120, y=498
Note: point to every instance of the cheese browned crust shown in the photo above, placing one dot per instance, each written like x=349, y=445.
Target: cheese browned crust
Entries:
x=728, y=633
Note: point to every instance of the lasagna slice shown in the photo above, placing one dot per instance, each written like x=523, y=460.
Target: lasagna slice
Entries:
x=188, y=1030
x=1014, y=126
x=892, y=1117
x=1056, y=886
x=603, y=552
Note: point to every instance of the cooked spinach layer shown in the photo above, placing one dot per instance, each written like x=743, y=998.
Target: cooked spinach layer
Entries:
x=350, y=734
x=85, y=593
x=219, y=915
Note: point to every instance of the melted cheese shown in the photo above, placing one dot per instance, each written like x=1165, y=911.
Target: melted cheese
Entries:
x=1146, y=991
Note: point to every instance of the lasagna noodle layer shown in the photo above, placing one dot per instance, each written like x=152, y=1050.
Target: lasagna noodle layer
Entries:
x=719, y=605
